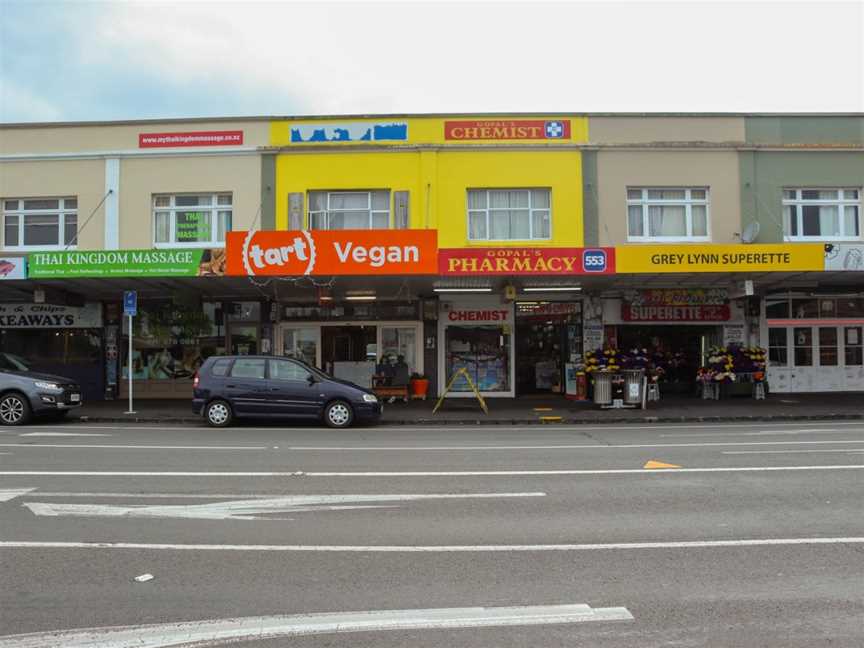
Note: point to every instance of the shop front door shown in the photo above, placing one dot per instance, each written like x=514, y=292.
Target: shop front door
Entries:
x=303, y=343
x=350, y=352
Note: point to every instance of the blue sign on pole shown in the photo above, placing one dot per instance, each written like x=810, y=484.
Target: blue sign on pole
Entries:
x=130, y=303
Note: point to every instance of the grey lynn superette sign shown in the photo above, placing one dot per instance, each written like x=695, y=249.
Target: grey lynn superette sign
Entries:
x=126, y=263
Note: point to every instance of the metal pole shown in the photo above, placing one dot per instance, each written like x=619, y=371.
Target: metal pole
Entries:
x=129, y=366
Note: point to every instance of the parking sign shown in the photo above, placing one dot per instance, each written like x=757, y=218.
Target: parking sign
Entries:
x=130, y=303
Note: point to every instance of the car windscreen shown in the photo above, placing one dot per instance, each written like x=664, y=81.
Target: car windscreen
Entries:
x=9, y=362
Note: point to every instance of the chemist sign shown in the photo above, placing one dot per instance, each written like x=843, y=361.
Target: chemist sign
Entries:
x=719, y=258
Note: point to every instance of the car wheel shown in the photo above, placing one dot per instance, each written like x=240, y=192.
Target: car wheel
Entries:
x=338, y=414
x=218, y=414
x=14, y=409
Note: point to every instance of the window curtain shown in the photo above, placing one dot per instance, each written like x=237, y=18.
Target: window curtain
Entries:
x=667, y=220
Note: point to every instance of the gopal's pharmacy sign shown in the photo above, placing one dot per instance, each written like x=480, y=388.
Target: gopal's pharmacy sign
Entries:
x=526, y=261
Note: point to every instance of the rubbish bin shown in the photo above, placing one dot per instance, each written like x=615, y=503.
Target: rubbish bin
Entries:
x=633, y=386
x=602, y=388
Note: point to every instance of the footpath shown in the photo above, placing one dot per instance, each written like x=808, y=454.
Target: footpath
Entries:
x=539, y=410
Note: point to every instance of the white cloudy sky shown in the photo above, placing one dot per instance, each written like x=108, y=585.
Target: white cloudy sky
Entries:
x=78, y=60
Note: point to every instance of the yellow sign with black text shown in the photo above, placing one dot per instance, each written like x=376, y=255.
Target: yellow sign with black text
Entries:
x=776, y=257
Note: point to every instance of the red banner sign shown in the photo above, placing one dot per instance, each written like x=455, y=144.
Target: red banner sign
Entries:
x=194, y=138
x=526, y=261
x=331, y=252
x=631, y=313
x=508, y=129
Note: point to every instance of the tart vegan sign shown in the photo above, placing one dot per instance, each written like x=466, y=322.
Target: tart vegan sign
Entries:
x=332, y=252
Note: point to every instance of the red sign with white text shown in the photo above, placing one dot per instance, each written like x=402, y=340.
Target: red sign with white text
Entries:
x=194, y=138
x=526, y=261
x=331, y=252
x=487, y=315
x=717, y=313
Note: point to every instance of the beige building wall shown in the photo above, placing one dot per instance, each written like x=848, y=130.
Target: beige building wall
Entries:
x=717, y=170
x=95, y=137
x=141, y=178
x=84, y=179
x=649, y=130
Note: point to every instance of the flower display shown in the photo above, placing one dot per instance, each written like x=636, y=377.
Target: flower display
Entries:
x=726, y=364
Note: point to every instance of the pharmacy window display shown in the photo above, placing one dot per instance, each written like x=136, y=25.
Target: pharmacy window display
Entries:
x=480, y=341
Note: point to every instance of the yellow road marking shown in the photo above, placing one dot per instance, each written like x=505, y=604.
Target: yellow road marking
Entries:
x=659, y=465
x=550, y=419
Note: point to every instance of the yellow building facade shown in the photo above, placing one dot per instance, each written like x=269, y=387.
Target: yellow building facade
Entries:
x=429, y=165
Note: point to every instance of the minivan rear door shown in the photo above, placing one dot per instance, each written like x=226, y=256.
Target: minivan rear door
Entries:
x=246, y=386
x=292, y=393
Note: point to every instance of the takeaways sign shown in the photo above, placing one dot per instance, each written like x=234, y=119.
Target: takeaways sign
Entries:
x=526, y=261
x=332, y=252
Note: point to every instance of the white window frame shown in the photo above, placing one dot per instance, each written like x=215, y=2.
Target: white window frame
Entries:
x=688, y=202
x=214, y=208
x=61, y=212
x=531, y=209
x=369, y=210
x=841, y=202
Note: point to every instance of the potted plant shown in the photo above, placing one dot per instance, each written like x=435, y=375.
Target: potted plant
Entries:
x=419, y=384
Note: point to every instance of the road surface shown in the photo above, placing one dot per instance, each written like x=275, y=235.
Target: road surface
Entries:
x=609, y=536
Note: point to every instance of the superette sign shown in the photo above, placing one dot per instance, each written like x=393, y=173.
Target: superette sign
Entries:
x=777, y=257
x=714, y=313
x=126, y=263
x=676, y=305
x=526, y=261
x=332, y=252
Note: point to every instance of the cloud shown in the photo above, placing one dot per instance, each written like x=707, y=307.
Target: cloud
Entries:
x=152, y=59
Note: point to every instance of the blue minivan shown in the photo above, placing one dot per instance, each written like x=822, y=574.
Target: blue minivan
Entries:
x=229, y=387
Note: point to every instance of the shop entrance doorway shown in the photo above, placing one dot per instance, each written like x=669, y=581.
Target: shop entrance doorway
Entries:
x=679, y=349
x=350, y=352
x=548, y=336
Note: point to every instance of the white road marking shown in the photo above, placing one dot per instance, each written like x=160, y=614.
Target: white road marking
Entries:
x=459, y=426
x=127, y=447
x=677, y=544
x=571, y=447
x=454, y=473
x=11, y=493
x=809, y=451
x=759, y=433
x=253, y=509
x=269, y=627
x=62, y=434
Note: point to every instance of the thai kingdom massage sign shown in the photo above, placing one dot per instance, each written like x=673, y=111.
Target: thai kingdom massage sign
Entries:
x=126, y=263
x=676, y=305
x=332, y=252
x=526, y=261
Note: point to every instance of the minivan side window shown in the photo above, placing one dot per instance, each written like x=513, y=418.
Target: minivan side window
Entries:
x=220, y=367
x=248, y=368
x=287, y=370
